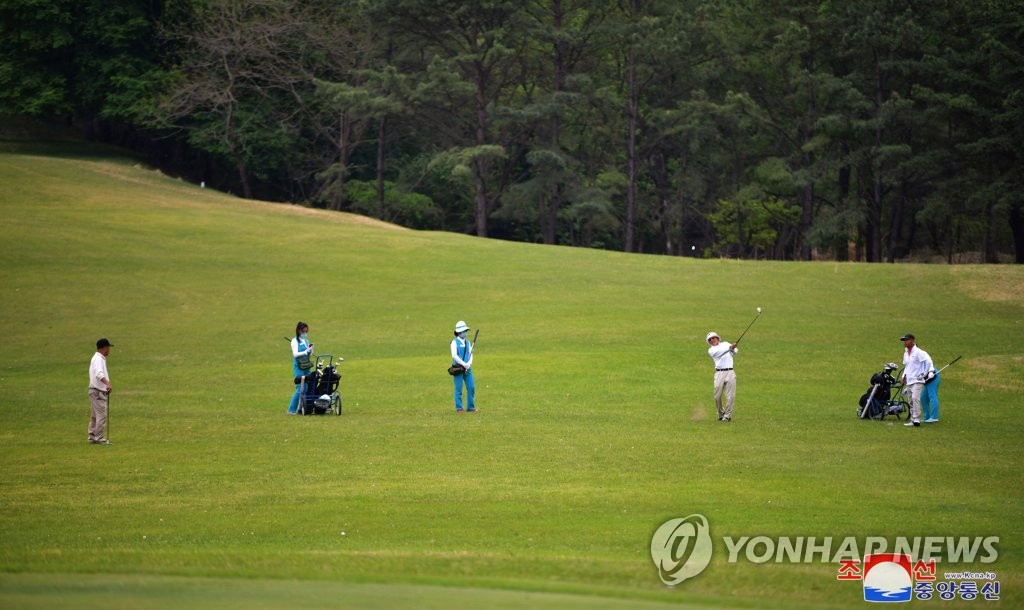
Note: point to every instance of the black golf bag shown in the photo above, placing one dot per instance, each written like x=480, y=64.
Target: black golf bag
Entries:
x=879, y=401
x=327, y=380
x=320, y=392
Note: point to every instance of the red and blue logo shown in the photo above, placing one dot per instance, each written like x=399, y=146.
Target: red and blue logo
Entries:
x=888, y=578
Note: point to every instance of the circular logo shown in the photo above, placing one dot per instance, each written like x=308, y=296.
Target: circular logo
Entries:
x=681, y=548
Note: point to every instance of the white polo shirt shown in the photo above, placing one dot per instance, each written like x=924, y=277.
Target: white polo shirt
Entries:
x=722, y=355
x=916, y=364
x=98, y=372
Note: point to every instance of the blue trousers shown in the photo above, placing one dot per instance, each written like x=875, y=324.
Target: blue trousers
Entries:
x=930, y=399
x=310, y=394
x=466, y=377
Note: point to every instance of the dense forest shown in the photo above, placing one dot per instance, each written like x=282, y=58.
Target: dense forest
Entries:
x=874, y=130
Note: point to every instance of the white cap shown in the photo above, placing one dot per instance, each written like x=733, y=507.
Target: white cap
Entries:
x=461, y=326
x=710, y=335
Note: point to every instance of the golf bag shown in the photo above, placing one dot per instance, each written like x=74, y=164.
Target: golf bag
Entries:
x=320, y=392
x=327, y=380
x=884, y=397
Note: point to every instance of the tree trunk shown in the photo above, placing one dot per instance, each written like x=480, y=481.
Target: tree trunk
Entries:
x=344, y=146
x=1017, y=228
x=481, y=139
x=553, y=201
x=236, y=155
x=874, y=236
x=876, y=246
x=481, y=201
x=989, y=240
x=547, y=205
x=803, y=251
x=806, y=216
x=381, y=134
x=843, y=253
x=896, y=225
x=632, y=112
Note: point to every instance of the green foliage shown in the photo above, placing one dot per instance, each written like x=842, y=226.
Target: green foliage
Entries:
x=876, y=120
x=750, y=224
x=463, y=161
x=67, y=59
x=407, y=209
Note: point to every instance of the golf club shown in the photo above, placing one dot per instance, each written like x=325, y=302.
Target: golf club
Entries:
x=475, y=335
x=932, y=378
x=106, y=424
x=947, y=366
x=749, y=325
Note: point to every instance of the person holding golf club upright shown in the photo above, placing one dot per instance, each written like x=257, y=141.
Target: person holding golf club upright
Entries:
x=301, y=364
x=725, y=376
x=917, y=369
x=99, y=393
x=461, y=369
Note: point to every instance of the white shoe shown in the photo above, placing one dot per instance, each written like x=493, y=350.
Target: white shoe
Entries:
x=931, y=420
x=912, y=423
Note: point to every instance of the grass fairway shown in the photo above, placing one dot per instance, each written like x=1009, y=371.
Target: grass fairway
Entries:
x=596, y=423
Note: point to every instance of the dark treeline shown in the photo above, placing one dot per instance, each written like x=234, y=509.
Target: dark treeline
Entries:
x=872, y=130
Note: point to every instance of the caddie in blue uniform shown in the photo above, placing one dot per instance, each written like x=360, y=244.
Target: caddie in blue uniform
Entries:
x=301, y=365
x=462, y=355
x=930, y=397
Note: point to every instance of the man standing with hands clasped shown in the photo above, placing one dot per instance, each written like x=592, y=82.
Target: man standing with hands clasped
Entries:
x=725, y=377
x=462, y=356
x=917, y=365
x=99, y=393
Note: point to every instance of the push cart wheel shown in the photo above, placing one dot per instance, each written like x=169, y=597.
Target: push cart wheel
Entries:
x=336, y=403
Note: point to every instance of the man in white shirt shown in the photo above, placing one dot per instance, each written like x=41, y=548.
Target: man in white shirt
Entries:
x=725, y=377
x=99, y=393
x=917, y=364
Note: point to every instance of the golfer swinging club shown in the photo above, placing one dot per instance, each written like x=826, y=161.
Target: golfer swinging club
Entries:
x=725, y=377
x=462, y=355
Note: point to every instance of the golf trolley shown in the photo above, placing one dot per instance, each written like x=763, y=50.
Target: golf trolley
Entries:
x=884, y=397
x=319, y=390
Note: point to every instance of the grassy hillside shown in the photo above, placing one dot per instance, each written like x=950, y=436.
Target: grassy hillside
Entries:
x=596, y=422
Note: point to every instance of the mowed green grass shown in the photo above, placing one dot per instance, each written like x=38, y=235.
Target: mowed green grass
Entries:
x=596, y=420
